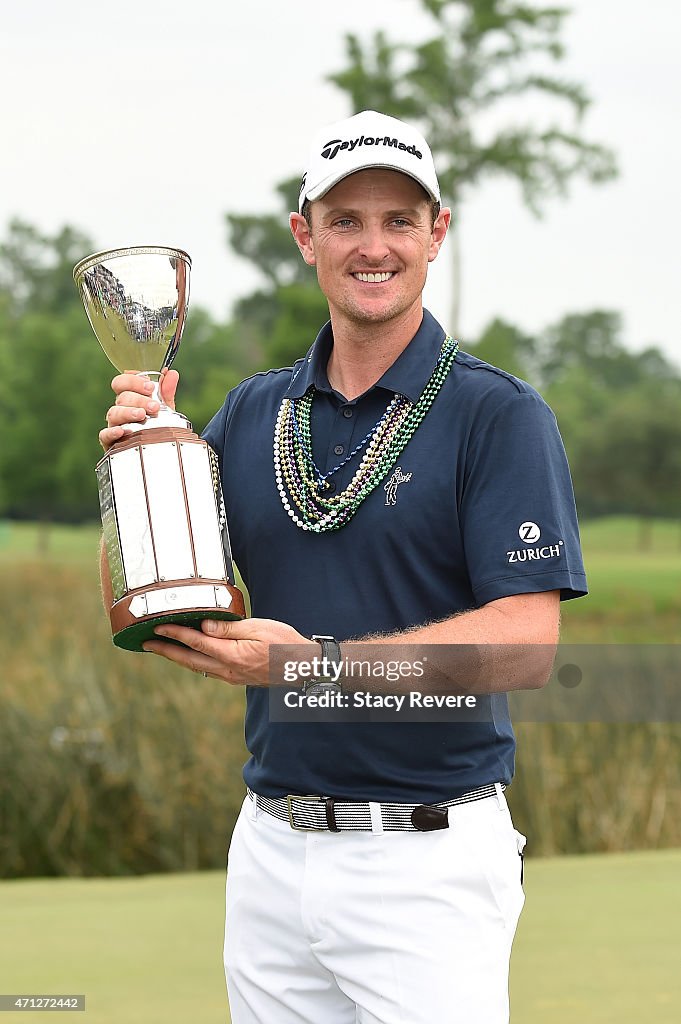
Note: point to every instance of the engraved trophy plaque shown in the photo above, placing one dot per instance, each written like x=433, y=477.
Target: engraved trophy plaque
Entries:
x=165, y=529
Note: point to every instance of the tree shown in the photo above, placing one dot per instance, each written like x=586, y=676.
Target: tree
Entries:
x=618, y=414
x=459, y=83
x=265, y=241
x=617, y=410
x=53, y=381
x=632, y=464
x=35, y=269
x=302, y=311
x=213, y=358
x=591, y=341
x=505, y=345
x=281, y=318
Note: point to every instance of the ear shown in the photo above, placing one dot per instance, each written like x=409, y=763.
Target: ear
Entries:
x=303, y=236
x=440, y=228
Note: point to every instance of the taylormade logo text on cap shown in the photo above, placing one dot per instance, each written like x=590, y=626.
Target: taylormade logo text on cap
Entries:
x=364, y=141
x=336, y=145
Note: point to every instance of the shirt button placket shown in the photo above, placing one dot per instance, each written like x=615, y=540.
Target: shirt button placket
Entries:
x=341, y=445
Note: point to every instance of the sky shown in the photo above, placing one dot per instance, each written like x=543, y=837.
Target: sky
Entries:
x=143, y=122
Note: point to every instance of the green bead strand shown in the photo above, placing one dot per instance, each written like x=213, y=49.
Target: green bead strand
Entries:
x=389, y=439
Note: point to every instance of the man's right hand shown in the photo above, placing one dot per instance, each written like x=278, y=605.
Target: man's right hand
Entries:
x=134, y=403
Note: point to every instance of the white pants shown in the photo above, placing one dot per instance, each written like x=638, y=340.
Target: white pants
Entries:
x=373, y=928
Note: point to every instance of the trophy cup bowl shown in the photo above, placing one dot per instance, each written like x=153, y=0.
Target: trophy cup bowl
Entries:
x=163, y=515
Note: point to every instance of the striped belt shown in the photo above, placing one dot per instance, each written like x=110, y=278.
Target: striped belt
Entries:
x=324, y=814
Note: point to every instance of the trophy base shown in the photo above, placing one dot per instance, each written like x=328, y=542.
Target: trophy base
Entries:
x=134, y=617
x=132, y=637
x=164, y=418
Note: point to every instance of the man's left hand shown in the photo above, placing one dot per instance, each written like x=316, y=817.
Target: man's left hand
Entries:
x=236, y=651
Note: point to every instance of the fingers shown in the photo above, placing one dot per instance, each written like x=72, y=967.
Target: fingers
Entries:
x=126, y=385
x=169, y=382
x=130, y=408
x=223, y=658
x=196, y=654
x=133, y=382
x=191, y=638
x=134, y=402
x=236, y=651
x=136, y=405
x=268, y=631
x=230, y=629
x=109, y=436
x=189, y=659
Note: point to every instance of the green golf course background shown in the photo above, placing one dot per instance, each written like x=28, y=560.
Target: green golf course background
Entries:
x=597, y=943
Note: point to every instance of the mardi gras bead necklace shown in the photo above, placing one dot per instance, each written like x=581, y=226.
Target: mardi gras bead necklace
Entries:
x=304, y=490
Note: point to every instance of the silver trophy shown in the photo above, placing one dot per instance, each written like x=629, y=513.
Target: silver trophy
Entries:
x=165, y=529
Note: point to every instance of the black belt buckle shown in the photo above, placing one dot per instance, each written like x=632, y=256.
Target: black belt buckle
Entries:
x=428, y=818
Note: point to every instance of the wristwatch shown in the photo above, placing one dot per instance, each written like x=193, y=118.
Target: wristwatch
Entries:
x=332, y=652
x=330, y=648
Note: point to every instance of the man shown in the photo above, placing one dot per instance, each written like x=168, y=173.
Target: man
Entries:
x=392, y=488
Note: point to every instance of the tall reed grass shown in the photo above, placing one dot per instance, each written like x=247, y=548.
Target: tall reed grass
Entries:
x=110, y=763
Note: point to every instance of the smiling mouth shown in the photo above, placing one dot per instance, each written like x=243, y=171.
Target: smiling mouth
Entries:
x=374, y=278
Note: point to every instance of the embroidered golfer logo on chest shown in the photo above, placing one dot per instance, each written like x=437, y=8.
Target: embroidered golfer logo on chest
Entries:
x=391, y=485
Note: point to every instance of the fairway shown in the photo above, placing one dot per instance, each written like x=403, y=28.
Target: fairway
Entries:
x=56, y=543
x=599, y=942
x=634, y=580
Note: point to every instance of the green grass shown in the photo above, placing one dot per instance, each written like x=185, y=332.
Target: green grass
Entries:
x=141, y=950
x=54, y=542
x=615, y=535
x=599, y=942
x=634, y=592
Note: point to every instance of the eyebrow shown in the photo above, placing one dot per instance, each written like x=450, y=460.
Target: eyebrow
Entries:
x=342, y=211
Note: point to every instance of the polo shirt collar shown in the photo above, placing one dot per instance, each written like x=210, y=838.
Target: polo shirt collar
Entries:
x=407, y=376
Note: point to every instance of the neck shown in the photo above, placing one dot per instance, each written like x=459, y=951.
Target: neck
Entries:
x=362, y=352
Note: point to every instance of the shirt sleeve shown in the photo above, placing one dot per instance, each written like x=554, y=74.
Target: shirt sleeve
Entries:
x=517, y=506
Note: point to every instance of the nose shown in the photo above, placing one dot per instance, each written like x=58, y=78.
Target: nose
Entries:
x=373, y=244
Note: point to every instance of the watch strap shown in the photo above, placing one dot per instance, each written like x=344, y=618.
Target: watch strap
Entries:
x=332, y=652
x=330, y=648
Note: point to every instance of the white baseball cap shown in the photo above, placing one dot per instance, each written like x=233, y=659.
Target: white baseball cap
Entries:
x=367, y=140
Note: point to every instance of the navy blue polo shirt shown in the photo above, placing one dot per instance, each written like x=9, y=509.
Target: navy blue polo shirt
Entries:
x=482, y=508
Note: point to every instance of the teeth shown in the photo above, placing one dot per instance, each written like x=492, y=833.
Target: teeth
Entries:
x=372, y=278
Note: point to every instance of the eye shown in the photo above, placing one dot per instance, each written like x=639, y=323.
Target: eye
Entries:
x=343, y=223
x=400, y=222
